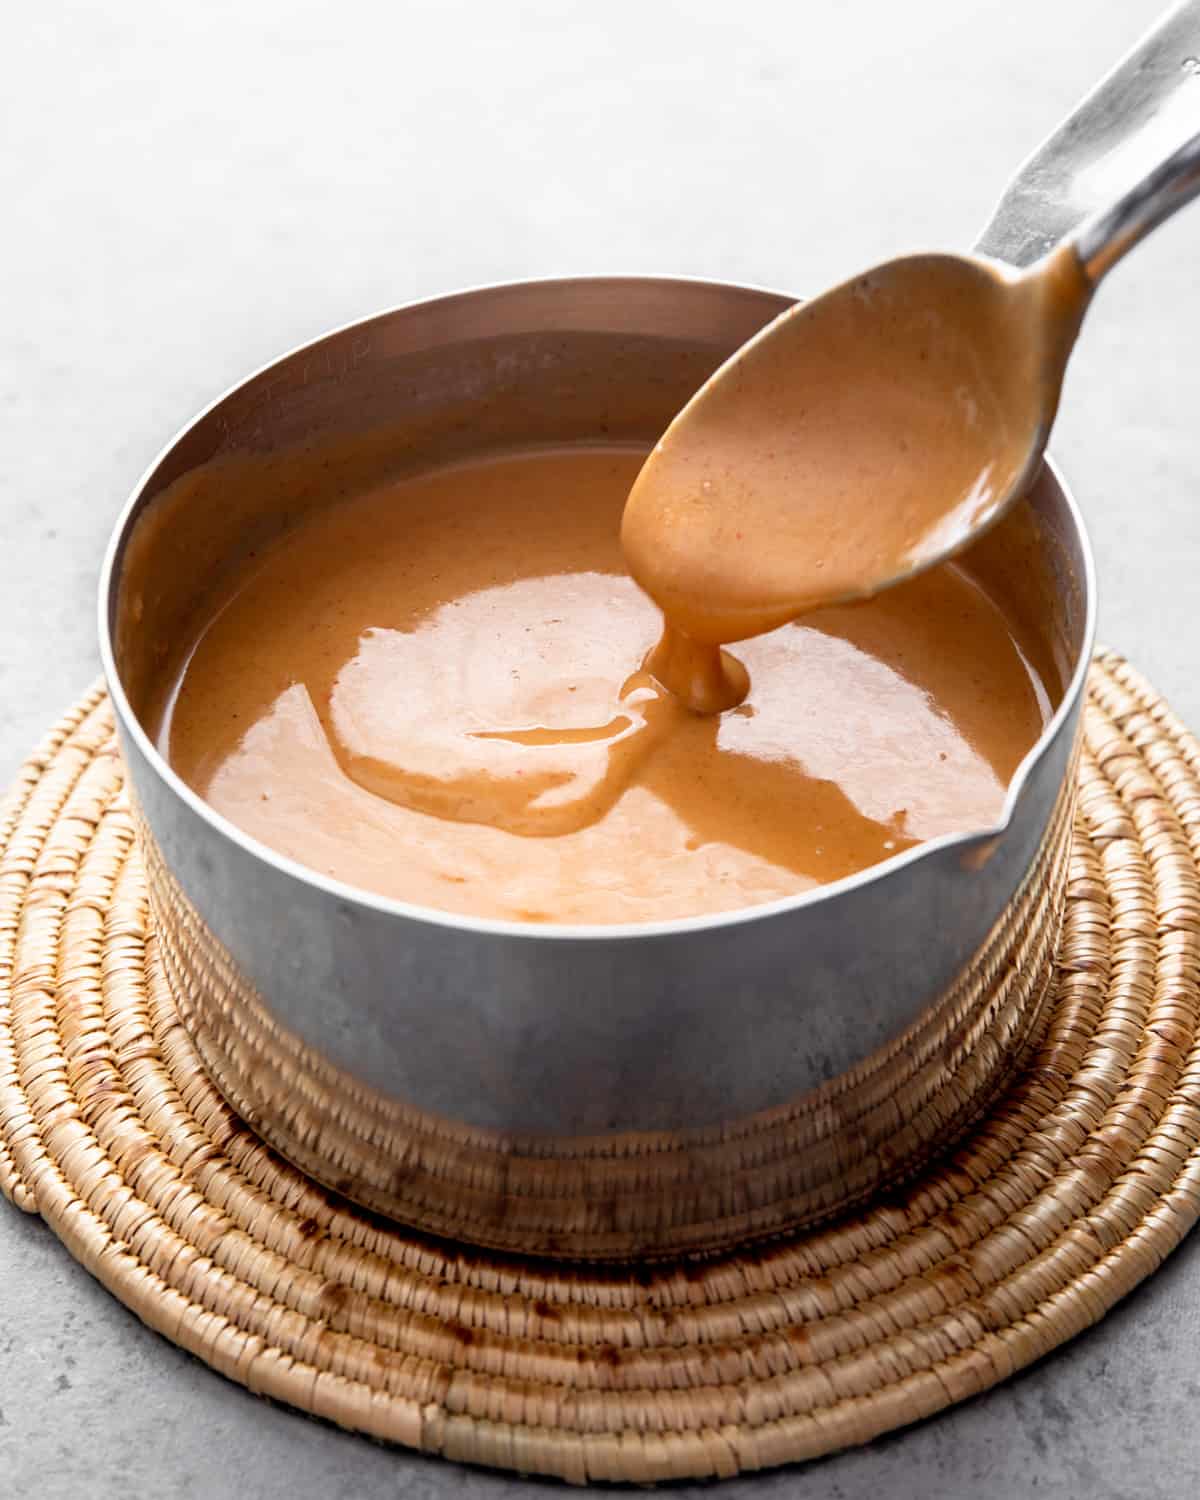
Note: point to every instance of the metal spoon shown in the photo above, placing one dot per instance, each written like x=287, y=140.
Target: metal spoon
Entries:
x=874, y=431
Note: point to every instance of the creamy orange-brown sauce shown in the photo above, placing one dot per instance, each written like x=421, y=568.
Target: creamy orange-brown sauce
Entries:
x=432, y=691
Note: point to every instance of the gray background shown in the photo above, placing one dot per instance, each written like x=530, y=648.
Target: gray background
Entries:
x=190, y=189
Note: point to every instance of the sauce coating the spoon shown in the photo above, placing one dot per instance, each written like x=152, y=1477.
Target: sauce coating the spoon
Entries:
x=857, y=439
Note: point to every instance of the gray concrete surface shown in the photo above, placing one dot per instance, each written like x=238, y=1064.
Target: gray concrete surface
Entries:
x=191, y=188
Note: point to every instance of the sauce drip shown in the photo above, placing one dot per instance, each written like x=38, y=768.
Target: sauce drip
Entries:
x=425, y=690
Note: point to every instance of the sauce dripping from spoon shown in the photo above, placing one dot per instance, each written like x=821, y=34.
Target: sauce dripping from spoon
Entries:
x=856, y=441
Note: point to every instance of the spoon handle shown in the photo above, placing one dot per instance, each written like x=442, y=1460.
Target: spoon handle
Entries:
x=1105, y=237
x=1146, y=107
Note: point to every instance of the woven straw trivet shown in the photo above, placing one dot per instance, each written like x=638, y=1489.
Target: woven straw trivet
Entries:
x=1081, y=1180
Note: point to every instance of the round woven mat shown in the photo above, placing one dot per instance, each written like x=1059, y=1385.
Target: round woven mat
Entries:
x=1081, y=1180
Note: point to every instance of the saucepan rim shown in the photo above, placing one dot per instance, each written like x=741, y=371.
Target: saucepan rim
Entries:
x=340, y=891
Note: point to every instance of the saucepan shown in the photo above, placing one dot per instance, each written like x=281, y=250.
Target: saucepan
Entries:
x=589, y=1091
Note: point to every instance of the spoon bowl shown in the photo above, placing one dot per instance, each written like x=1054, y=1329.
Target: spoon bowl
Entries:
x=858, y=439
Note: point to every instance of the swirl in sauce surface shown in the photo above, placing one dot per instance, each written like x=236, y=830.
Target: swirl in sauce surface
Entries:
x=430, y=690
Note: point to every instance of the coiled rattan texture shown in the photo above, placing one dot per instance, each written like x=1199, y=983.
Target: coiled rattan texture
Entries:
x=1082, y=1177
